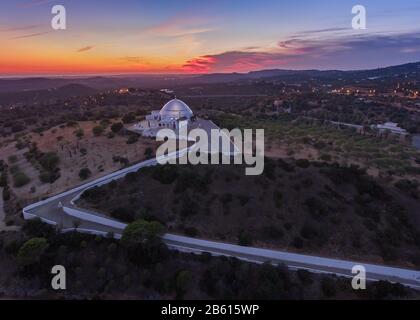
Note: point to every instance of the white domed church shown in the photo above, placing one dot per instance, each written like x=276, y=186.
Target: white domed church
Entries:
x=170, y=116
x=174, y=115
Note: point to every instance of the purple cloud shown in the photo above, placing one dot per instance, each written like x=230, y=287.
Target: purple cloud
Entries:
x=350, y=51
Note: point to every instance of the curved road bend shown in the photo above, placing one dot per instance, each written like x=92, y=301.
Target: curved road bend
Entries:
x=294, y=261
x=51, y=211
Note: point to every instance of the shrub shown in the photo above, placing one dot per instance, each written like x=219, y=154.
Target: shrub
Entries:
x=148, y=153
x=408, y=186
x=303, y=163
x=285, y=166
x=272, y=232
x=183, y=282
x=297, y=243
x=243, y=199
x=98, y=130
x=325, y=157
x=116, y=127
x=304, y=276
x=123, y=214
x=79, y=133
x=129, y=118
x=328, y=287
x=165, y=174
x=84, y=173
x=110, y=135
x=20, y=179
x=245, y=238
x=226, y=198
x=191, y=231
x=132, y=138
x=315, y=207
x=188, y=207
x=3, y=179
x=49, y=161
x=309, y=232
x=71, y=124
x=12, y=159
x=277, y=197
x=49, y=176
x=6, y=194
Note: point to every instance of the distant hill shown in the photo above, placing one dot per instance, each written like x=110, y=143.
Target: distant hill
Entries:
x=411, y=70
x=404, y=71
x=30, y=96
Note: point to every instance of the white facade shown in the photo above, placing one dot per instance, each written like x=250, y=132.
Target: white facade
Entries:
x=392, y=127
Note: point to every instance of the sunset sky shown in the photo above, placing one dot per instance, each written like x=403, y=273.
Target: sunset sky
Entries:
x=192, y=36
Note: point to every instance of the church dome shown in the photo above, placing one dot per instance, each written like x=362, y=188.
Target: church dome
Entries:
x=176, y=109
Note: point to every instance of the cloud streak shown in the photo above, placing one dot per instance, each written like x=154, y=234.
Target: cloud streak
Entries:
x=33, y=3
x=29, y=35
x=180, y=26
x=20, y=28
x=84, y=49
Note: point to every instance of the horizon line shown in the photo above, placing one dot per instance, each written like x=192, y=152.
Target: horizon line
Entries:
x=87, y=75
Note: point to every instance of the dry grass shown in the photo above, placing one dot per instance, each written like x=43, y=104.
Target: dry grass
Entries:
x=100, y=151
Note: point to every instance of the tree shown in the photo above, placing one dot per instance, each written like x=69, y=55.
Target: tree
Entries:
x=84, y=173
x=38, y=229
x=141, y=232
x=31, y=251
x=49, y=161
x=116, y=127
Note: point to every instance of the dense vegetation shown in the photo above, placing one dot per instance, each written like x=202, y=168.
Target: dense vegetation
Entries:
x=105, y=268
x=313, y=207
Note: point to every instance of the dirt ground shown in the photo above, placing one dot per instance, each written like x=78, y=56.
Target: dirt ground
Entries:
x=100, y=151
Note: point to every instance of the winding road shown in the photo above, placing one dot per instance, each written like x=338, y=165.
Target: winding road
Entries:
x=61, y=210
